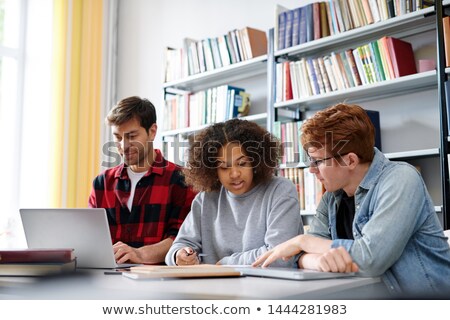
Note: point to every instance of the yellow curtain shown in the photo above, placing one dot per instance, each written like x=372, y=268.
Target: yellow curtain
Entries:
x=77, y=71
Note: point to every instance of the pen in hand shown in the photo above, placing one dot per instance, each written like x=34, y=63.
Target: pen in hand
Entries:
x=199, y=255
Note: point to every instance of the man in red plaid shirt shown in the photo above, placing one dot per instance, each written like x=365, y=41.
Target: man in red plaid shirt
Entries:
x=145, y=197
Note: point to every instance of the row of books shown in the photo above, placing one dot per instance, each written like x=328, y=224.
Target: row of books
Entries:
x=199, y=56
x=208, y=106
x=384, y=59
x=310, y=189
x=324, y=18
x=36, y=262
x=288, y=133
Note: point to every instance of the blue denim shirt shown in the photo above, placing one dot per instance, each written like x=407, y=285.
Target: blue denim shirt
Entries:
x=397, y=234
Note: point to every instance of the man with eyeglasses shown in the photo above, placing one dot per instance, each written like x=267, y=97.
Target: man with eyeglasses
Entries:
x=376, y=218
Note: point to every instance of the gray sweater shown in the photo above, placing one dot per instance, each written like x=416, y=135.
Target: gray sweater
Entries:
x=236, y=229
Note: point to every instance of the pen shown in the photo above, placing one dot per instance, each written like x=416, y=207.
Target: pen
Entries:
x=198, y=254
x=112, y=272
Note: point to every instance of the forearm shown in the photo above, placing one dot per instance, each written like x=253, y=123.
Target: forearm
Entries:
x=248, y=257
x=155, y=253
x=312, y=244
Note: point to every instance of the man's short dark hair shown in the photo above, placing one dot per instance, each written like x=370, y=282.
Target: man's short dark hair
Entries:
x=132, y=107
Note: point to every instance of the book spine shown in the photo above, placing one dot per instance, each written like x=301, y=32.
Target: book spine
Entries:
x=288, y=33
x=353, y=67
x=323, y=71
x=446, y=28
x=324, y=25
x=330, y=73
x=281, y=30
x=319, y=76
x=312, y=77
x=316, y=20
x=295, y=27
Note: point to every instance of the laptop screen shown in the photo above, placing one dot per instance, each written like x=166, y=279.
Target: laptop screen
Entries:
x=85, y=230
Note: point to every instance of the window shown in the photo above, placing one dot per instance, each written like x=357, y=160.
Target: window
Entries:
x=25, y=64
x=12, y=28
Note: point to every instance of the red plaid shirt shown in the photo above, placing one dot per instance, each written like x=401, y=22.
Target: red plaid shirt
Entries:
x=160, y=204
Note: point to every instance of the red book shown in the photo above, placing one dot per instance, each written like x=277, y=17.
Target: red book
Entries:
x=402, y=57
x=288, y=82
x=36, y=255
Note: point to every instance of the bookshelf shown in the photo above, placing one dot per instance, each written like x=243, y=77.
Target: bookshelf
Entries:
x=423, y=144
x=237, y=74
x=429, y=154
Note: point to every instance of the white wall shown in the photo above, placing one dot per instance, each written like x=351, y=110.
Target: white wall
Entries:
x=146, y=27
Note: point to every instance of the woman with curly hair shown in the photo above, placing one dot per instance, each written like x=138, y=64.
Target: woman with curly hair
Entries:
x=242, y=210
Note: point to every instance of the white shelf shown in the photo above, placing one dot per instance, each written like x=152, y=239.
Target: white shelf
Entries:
x=293, y=165
x=398, y=86
x=401, y=26
x=260, y=119
x=413, y=154
x=233, y=72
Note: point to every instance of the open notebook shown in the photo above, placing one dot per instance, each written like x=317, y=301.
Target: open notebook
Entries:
x=192, y=271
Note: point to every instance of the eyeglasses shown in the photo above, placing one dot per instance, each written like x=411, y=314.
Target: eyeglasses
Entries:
x=317, y=162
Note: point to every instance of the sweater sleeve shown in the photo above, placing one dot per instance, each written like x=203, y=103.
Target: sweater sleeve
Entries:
x=189, y=234
x=283, y=223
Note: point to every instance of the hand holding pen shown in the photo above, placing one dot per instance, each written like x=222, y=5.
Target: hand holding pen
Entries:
x=187, y=256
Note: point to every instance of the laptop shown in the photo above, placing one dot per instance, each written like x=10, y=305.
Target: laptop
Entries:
x=291, y=273
x=85, y=230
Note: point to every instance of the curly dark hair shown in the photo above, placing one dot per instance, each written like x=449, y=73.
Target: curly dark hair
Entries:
x=263, y=149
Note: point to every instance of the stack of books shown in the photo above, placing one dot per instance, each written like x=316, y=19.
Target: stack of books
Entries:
x=36, y=262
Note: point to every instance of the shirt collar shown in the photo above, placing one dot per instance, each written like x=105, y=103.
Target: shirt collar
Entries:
x=157, y=168
x=379, y=161
x=376, y=167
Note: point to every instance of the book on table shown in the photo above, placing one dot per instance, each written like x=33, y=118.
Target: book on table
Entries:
x=190, y=271
x=50, y=255
x=37, y=262
x=37, y=269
